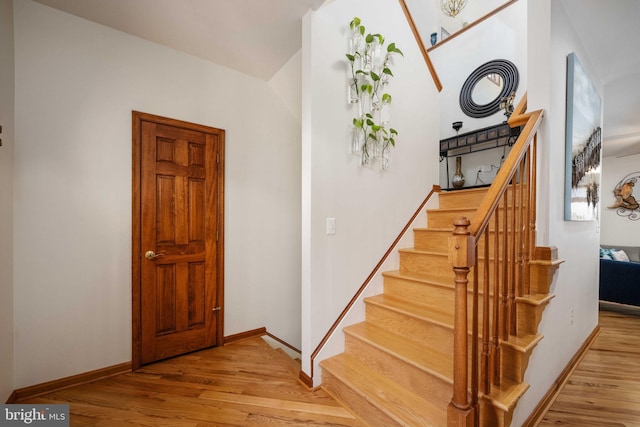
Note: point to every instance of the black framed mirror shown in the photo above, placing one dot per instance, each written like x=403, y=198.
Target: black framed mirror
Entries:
x=484, y=88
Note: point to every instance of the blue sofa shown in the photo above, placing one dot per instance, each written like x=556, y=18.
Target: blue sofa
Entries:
x=620, y=280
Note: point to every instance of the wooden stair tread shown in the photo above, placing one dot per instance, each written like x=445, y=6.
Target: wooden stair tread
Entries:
x=522, y=344
x=421, y=251
x=507, y=394
x=465, y=190
x=536, y=299
x=453, y=210
x=429, y=360
x=405, y=407
x=434, y=229
x=424, y=311
x=417, y=277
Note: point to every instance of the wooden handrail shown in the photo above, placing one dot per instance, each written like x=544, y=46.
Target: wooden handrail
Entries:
x=307, y=379
x=520, y=117
x=490, y=202
x=513, y=191
x=423, y=49
x=473, y=24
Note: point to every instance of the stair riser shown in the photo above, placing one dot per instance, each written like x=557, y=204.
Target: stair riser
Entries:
x=529, y=317
x=418, y=291
x=424, y=291
x=433, y=335
x=490, y=416
x=542, y=278
x=431, y=240
x=454, y=199
x=436, y=267
x=356, y=403
x=466, y=198
x=445, y=218
x=437, y=242
x=514, y=364
x=433, y=266
x=409, y=376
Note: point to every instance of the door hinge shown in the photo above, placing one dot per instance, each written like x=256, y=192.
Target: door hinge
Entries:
x=218, y=158
x=217, y=235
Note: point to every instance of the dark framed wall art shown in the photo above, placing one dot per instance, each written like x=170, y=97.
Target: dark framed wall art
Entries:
x=583, y=141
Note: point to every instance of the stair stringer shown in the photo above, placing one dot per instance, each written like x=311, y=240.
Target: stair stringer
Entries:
x=517, y=350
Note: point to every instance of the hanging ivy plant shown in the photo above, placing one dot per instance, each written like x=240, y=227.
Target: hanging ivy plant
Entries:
x=370, y=65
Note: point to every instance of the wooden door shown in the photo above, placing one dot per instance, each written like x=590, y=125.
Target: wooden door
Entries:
x=177, y=247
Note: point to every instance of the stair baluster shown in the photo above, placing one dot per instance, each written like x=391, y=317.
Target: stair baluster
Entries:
x=513, y=193
x=496, y=359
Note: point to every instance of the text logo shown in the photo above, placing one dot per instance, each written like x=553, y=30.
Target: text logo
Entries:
x=34, y=415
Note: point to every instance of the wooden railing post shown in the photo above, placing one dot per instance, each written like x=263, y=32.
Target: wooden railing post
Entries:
x=510, y=203
x=461, y=411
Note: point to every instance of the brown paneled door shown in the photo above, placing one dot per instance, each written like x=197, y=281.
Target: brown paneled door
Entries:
x=177, y=248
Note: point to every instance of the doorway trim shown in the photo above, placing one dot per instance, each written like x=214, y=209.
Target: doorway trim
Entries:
x=136, y=225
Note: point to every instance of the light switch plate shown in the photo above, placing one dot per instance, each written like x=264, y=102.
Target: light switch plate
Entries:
x=331, y=226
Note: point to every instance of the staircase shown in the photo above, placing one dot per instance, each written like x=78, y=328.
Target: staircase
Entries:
x=397, y=367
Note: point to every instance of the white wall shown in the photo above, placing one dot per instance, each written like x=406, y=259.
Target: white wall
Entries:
x=287, y=84
x=429, y=17
x=473, y=11
x=370, y=206
x=6, y=198
x=76, y=84
x=551, y=39
x=503, y=36
x=616, y=229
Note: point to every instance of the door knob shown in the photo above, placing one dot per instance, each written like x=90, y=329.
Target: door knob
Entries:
x=152, y=255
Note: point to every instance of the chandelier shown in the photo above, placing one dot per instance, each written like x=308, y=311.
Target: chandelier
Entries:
x=452, y=7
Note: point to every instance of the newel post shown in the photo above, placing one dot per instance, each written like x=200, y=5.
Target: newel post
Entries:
x=461, y=257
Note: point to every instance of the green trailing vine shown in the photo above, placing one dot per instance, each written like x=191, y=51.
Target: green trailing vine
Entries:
x=370, y=66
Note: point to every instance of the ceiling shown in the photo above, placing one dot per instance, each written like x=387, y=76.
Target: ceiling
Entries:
x=610, y=34
x=257, y=37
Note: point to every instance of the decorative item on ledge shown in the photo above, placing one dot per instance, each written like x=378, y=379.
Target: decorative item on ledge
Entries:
x=506, y=104
x=458, y=178
x=501, y=135
x=452, y=7
x=370, y=64
x=479, y=140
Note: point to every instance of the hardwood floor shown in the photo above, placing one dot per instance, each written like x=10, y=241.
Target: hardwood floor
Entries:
x=246, y=383
x=604, y=390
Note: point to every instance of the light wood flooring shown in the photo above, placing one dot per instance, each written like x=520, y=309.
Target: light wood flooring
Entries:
x=604, y=390
x=248, y=383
